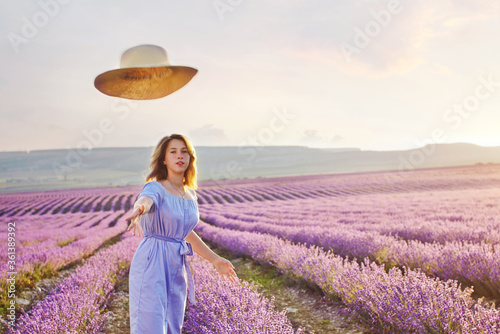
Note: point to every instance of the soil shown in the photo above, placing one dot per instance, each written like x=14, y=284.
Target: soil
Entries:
x=28, y=298
x=118, y=320
x=305, y=305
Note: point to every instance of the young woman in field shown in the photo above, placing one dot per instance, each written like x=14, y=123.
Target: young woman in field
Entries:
x=167, y=211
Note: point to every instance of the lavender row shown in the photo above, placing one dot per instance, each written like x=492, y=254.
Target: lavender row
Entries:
x=35, y=229
x=470, y=263
x=339, y=186
x=67, y=201
x=50, y=255
x=392, y=302
x=225, y=307
x=443, y=216
x=76, y=304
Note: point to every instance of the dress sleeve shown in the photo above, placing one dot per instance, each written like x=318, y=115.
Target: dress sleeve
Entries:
x=193, y=193
x=153, y=191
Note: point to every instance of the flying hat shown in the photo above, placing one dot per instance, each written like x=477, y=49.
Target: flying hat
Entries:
x=145, y=73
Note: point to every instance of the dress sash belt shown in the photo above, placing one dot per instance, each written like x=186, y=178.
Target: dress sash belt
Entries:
x=186, y=250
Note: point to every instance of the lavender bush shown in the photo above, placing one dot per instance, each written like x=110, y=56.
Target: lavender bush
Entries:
x=395, y=302
x=225, y=307
x=76, y=304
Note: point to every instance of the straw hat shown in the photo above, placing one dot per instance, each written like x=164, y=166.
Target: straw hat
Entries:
x=145, y=73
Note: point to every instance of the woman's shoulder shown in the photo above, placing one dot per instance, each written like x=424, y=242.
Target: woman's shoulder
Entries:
x=153, y=186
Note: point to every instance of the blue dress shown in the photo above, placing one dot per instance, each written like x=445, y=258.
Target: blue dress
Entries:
x=159, y=273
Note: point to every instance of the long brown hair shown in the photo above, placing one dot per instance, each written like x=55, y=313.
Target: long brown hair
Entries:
x=159, y=171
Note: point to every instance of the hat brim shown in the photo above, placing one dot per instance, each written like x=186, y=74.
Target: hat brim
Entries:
x=144, y=83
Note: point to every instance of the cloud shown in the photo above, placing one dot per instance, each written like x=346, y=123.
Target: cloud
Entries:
x=442, y=69
x=312, y=137
x=377, y=42
x=208, y=135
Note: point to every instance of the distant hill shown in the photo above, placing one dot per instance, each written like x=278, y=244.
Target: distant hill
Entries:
x=63, y=169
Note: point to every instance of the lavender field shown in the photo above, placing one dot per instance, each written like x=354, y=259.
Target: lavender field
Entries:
x=412, y=252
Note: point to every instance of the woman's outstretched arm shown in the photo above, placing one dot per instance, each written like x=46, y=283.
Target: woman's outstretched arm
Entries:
x=141, y=206
x=223, y=266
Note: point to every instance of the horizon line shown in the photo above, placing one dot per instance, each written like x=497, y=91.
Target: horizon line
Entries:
x=236, y=146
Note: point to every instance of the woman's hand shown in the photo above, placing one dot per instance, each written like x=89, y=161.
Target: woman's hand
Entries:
x=135, y=225
x=225, y=269
x=223, y=266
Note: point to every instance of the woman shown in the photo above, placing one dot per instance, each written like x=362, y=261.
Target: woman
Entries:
x=167, y=211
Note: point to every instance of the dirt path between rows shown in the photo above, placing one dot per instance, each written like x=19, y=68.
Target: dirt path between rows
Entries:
x=305, y=306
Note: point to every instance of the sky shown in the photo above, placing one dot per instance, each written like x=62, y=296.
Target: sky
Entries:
x=375, y=75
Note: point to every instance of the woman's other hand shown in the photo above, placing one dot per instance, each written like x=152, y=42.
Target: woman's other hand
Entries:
x=225, y=269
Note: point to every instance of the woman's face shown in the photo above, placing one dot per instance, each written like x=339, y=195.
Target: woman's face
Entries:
x=176, y=157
